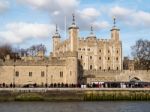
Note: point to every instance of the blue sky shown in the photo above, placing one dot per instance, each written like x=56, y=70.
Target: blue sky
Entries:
x=27, y=22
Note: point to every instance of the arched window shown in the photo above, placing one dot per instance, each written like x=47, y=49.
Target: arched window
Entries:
x=117, y=58
x=100, y=67
x=90, y=67
x=81, y=56
x=117, y=68
x=108, y=68
x=108, y=58
x=117, y=51
x=99, y=58
x=90, y=57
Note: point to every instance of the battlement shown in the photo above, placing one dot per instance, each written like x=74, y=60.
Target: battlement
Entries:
x=52, y=62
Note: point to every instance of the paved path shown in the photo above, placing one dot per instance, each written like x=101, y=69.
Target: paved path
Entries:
x=71, y=89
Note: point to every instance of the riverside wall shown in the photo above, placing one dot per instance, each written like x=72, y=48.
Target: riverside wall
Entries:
x=74, y=94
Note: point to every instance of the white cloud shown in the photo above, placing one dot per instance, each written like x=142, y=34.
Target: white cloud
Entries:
x=89, y=13
x=19, y=32
x=51, y=5
x=90, y=17
x=4, y=5
x=59, y=9
x=132, y=17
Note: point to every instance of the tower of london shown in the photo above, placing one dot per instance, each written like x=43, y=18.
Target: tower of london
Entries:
x=93, y=53
x=72, y=61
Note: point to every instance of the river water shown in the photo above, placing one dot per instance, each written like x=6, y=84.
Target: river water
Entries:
x=75, y=106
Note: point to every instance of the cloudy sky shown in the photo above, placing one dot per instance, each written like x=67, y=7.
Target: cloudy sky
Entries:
x=27, y=22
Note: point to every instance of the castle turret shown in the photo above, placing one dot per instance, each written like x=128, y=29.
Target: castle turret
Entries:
x=115, y=31
x=73, y=35
x=116, y=47
x=92, y=35
x=56, y=41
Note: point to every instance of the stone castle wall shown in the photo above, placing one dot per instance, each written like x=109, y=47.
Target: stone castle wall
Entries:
x=40, y=72
x=119, y=76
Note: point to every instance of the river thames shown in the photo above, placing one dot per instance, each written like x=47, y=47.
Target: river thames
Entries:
x=107, y=106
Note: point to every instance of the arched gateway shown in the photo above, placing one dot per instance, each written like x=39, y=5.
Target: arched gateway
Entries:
x=135, y=79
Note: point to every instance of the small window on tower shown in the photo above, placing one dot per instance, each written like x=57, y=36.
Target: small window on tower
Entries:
x=90, y=67
x=108, y=58
x=99, y=58
x=117, y=51
x=90, y=57
x=81, y=56
x=117, y=58
x=117, y=68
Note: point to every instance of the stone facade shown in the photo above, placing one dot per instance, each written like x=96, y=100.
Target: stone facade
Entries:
x=93, y=53
x=41, y=72
x=72, y=60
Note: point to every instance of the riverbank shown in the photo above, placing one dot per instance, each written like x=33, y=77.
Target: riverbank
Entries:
x=74, y=94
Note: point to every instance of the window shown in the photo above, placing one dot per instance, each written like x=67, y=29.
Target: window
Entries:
x=81, y=56
x=88, y=49
x=117, y=51
x=108, y=68
x=108, y=51
x=61, y=74
x=30, y=74
x=99, y=58
x=70, y=73
x=42, y=74
x=117, y=68
x=17, y=74
x=90, y=57
x=108, y=58
x=100, y=67
x=117, y=58
x=100, y=50
x=90, y=67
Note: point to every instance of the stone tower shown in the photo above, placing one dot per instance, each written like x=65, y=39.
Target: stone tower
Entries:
x=115, y=32
x=56, y=41
x=116, y=47
x=73, y=35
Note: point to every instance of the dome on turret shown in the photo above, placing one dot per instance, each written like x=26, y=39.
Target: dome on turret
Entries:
x=91, y=35
x=115, y=27
x=56, y=35
x=73, y=25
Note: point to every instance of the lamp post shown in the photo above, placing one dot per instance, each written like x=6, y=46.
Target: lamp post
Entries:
x=51, y=79
x=14, y=75
x=14, y=71
x=46, y=75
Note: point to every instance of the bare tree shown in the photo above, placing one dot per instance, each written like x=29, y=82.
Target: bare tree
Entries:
x=5, y=50
x=141, y=54
x=34, y=49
